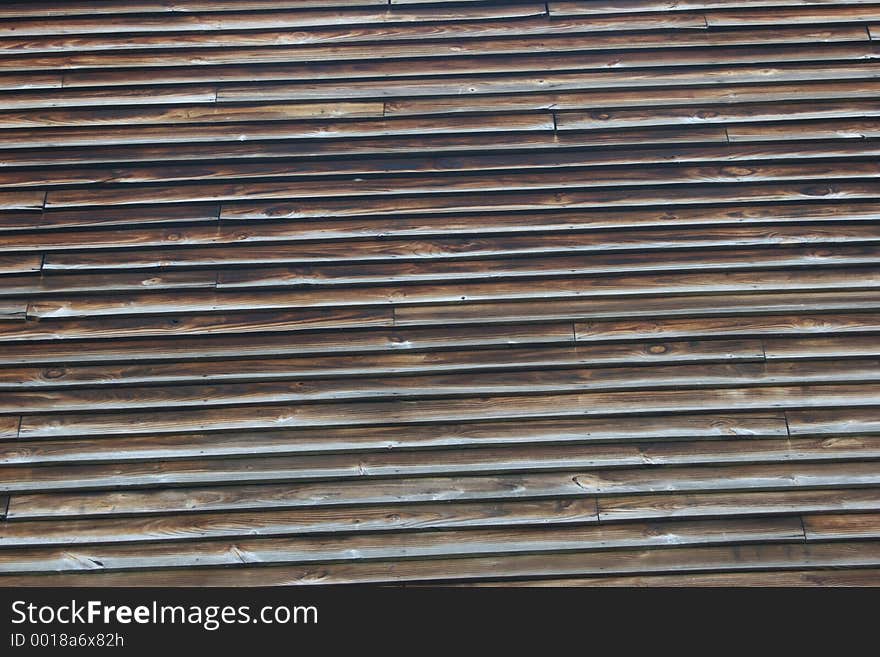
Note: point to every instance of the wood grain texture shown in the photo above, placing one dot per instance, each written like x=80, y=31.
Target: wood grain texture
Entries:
x=461, y=292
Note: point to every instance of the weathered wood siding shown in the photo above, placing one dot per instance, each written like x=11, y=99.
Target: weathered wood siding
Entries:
x=565, y=293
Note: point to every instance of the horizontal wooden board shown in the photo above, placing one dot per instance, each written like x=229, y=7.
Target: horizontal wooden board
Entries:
x=485, y=407
x=383, y=438
x=533, y=486
x=681, y=559
x=351, y=520
x=696, y=505
x=431, y=463
x=435, y=544
x=390, y=363
x=828, y=577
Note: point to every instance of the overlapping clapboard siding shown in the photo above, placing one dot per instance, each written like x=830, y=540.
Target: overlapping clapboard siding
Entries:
x=473, y=292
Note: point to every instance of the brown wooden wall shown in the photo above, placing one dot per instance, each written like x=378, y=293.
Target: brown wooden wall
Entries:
x=577, y=292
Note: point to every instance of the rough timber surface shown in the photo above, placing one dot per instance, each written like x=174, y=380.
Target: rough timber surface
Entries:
x=472, y=292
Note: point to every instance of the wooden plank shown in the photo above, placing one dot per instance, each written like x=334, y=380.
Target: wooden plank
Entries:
x=9, y=426
x=791, y=220
x=316, y=129
x=17, y=264
x=544, y=154
x=446, y=183
x=659, y=560
x=575, y=44
x=114, y=7
x=12, y=312
x=698, y=505
x=187, y=114
x=790, y=15
x=806, y=324
x=303, y=521
x=383, y=438
x=525, y=83
x=98, y=217
x=268, y=369
x=737, y=118
x=693, y=306
x=433, y=463
x=22, y=200
x=455, y=63
x=765, y=578
x=434, y=544
x=541, y=266
x=40, y=284
x=841, y=527
x=340, y=341
x=401, y=144
x=731, y=193
x=245, y=241
x=533, y=381
x=569, y=8
x=9, y=82
x=107, y=96
x=617, y=288
x=833, y=421
x=855, y=128
x=706, y=98
x=192, y=324
x=486, y=407
x=823, y=347
x=526, y=486
x=537, y=25
x=253, y=20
